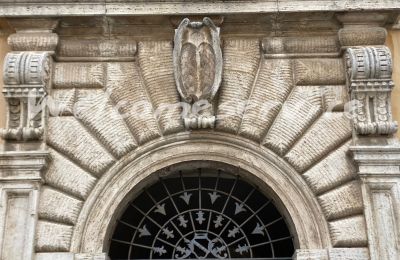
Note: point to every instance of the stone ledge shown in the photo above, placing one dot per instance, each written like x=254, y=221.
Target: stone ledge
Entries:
x=377, y=161
x=22, y=165
x=115, y=7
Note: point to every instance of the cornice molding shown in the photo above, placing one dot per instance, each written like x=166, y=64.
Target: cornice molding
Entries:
x=119, y=7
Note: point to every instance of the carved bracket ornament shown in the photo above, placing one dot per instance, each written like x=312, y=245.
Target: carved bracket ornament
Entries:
x=198, y=69
x=369, y=72
x=26, y=79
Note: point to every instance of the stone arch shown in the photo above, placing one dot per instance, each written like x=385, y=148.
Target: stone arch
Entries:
x=118, y=186
x=299, y=130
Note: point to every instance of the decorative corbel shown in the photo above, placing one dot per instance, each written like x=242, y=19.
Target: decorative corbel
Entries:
x=26, y=76
x=198, y=62
x=369, y=77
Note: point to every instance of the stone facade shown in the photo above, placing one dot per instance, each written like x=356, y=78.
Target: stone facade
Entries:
x=296, y=96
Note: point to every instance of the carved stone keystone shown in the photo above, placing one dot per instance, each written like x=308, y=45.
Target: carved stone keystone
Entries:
x=198, y=69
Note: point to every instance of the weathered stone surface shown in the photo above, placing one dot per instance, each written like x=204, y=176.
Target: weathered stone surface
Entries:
x=97, y=113
x=349, y=232
x=241, y=61
x=348, y=253
x=55, y=256
x=319, y=72
x=53, y=237
x=68, y=136
x=68, y=177
x=370, y=83
x=198, y=69
x=343, y=201
x=379, y=171
x=18, y=219
x=96, y=49
x=336, y=169
x=33, y=41
x=79, y=75
x=310, y=254
x=356, y=36
x=330, y=131
x=157, y=56
x=309, y=46
x=273, y=84
x=335, y=98
x=62, y=102
x=58, y=207
x=26, y=78
x=129, y=95
x=294, y=57
x=300, y=110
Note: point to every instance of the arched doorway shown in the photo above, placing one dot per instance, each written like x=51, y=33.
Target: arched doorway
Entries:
x=201, y=213
x=256, y=166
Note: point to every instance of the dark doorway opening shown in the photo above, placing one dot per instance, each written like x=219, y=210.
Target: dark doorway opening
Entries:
x=203, y=215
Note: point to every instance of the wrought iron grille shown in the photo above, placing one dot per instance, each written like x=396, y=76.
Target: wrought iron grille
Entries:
x=201, y=217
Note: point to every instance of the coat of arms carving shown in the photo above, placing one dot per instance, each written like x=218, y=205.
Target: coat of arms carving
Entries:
x=198, y=69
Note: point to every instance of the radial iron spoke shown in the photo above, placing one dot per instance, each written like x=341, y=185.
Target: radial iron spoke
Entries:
x=213, y=232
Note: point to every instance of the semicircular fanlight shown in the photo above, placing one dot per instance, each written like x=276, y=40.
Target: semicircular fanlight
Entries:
x=202, y=216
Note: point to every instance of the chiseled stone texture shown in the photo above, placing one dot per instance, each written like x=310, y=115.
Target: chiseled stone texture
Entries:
x=284, y=91
x=53, y=237
x=107, y=109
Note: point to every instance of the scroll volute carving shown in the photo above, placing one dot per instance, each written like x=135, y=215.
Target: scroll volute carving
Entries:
x=198, y=69
x=26, y=79
x=369, y=76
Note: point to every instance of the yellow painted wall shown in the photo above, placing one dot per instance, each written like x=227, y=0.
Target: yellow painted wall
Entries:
x=5, y=30
x=3, y=50
x=393, y=42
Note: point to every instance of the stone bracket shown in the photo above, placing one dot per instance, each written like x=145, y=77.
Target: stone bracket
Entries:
x=26, y=78
x=369, y=72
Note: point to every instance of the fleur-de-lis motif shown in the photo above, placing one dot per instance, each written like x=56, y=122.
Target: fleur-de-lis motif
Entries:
x=200, y=217
x=182, y=221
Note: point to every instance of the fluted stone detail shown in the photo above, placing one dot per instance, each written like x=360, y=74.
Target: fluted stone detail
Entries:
x=342, y=201
x=273, y=84
x=157, y=57
x=300, y=110
x=77, y=182
x=78, y=144
x=349, y=232
x=128, y=93
x=97, y=113
x=241, y=62
x=329, y=132
x=53, y=237
x=58, y=207
x=336, y=169
x=79, y=75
